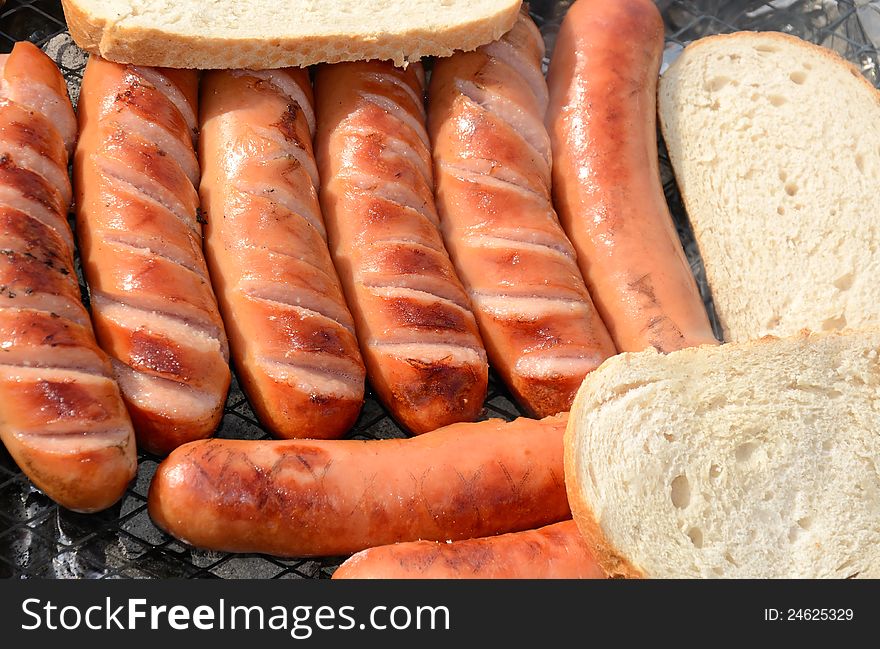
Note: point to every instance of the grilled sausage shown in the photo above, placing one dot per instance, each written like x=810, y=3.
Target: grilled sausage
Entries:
x=135, y=176
x=556, y=551
x=492, y=168
x=418, y=336
x=332, y=497
x=61, y=414
x=606, y=181
x=290, y=331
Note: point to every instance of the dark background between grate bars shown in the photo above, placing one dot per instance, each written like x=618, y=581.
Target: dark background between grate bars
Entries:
x=40, y=539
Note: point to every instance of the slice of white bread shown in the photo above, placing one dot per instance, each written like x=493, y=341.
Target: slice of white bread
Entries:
x=747, y=460
x=775, y=146
x=270, y=34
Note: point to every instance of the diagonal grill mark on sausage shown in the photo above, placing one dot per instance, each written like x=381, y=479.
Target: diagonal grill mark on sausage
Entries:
x=442, y=313
x=187, y=220
x=469, y=492
x=32, y=148
x=462, y=172
x=491, y=104
x=661, y=325
x=644, y=286
x=46, y=217
x=277, y=82
x=420, y=491
x=312, y=310
x=366, y=489
x=154, y=78
x=31, y=185
x=399, y=114
x=286, y=124
x=202, y=327
x=142, y=247
x=513, y=486
x=133, y=80
x=466, y=90
x=374, y=214
x=398, y=83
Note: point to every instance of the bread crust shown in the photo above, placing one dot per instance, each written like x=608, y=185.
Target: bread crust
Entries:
x=154, y=47
x=831, y=55
x=615, y=565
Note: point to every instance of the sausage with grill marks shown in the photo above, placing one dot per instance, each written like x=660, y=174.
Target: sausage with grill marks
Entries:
x=492, y=165
x=62, y=417
x=418, y=336
x=332, y=497
x=154, y=310
x=291, y=334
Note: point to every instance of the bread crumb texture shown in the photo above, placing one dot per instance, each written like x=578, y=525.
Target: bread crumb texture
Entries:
x=753, y=460
x=775, y=147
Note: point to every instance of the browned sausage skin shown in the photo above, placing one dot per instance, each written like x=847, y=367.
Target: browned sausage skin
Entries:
x=492, y=169
x=555, y=551
x=154, y=310
x=417, y=334
x=606, y=183
x=334, y=497
x=61, y=414
x=291, y=334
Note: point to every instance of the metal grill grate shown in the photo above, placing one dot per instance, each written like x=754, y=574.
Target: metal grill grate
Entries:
x=39, y=539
